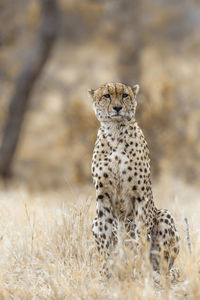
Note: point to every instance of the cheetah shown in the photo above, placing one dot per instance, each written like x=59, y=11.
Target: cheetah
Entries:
x=121, y=175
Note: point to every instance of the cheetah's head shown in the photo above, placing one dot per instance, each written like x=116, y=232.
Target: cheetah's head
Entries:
x=114, y=102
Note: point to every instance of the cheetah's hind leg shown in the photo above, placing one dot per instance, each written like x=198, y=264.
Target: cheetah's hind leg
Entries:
x=164, y=242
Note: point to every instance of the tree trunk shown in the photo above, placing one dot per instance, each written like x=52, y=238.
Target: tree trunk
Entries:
x=25, y=83
x=128, y=35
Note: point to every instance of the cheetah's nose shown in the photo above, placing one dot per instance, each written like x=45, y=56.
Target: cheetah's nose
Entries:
x=117, y=108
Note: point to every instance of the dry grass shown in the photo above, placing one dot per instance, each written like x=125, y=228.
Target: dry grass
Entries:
x=47, y=250
x=46, y=247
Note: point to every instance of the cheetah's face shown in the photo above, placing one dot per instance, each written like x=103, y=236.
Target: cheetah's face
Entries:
x=114, y=102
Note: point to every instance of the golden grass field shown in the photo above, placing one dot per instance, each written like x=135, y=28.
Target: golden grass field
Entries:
x=47, y=250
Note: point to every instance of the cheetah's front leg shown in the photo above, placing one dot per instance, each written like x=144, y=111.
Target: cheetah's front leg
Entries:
x=102, y=228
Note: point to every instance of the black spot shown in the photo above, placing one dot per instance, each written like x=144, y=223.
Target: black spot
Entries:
x=101, y=184
x=100, y=214
x=105, y=175
x=129, y=168
x=107, y=209
x=100, y=197
x=134, y=188
x=109, y=220
x=107, y=195
x=129, y=179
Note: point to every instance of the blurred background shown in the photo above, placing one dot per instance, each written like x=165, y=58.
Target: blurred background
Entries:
x=155, y=43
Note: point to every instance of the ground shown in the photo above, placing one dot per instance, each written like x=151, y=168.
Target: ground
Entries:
x=47, y=249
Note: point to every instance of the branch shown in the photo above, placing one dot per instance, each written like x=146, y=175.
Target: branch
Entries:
x=188, y=235
x=25, y=82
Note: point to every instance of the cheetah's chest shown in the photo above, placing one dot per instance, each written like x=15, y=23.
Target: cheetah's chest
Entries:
x=121, y=169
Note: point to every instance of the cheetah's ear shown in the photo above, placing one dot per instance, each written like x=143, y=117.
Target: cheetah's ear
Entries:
x=91, y=92
x=135, y=89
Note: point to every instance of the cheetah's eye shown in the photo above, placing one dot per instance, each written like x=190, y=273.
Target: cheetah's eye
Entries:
x=107, y=96
x=125, y=95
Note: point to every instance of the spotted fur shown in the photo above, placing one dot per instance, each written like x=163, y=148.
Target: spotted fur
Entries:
x=121, y=175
